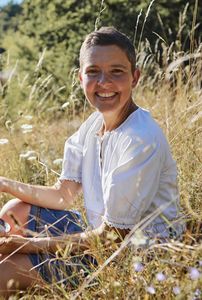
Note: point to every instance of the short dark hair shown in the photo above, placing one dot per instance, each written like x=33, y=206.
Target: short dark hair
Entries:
x=106, y=36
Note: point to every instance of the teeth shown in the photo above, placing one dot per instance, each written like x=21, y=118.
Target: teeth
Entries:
x=106, y=95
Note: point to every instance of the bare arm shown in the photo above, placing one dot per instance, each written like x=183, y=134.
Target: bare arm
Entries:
x=77, y=242
x=59, y=196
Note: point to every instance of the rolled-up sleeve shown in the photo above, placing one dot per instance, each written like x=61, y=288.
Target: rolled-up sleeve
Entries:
x=72, y=160
x=74, y=150
x=132, y=185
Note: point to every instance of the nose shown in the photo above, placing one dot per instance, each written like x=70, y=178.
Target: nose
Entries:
x=103, y=79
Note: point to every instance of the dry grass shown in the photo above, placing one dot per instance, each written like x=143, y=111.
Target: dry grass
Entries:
x=173, y=94
x=176, y=106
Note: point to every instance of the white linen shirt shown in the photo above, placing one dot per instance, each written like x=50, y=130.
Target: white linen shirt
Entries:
x=126, y=174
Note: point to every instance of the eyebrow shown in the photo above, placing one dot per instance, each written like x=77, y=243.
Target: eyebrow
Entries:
x=119, y=66
x=113, y=66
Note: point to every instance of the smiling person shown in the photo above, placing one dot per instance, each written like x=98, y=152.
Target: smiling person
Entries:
x=119, y=159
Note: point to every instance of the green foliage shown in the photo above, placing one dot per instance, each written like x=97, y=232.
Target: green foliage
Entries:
x=8, y=18
x=45, y=37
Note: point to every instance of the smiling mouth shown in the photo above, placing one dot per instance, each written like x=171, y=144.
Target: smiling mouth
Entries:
x=106, y=95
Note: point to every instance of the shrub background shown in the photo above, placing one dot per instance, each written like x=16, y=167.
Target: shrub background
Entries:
x=41, y=104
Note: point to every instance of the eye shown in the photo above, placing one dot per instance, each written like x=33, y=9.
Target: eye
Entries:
x=117, y=72
x=92, y=72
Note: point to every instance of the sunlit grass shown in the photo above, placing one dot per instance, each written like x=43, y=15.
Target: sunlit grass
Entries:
x=32, y=135
x=32, y=148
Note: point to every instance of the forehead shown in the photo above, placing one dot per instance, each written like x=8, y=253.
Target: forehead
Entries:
x=104, y=55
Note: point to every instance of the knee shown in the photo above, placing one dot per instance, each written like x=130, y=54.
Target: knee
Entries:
x=16, y=213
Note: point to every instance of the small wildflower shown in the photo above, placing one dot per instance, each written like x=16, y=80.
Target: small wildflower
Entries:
x=176, y=290
x=28, y=117
x=150, y=289
x=197, y=294
x=194, y=274
x=138, y=238
x=117, y=284
x=32, y=158
x=160, y=276
x=29, y=154
x=196, y=117
x=3, y=141
x=112, y=236
x=82, y=272
x=26, y=128
x=58, y=161
x=66, y=104
x=138, y=266
x=200, y=263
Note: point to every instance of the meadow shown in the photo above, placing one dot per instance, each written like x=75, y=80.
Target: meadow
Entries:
x=32, y=136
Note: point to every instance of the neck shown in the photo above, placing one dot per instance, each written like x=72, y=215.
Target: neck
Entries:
x=112, y=121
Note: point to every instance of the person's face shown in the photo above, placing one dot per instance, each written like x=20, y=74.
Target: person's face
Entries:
x=107, y=79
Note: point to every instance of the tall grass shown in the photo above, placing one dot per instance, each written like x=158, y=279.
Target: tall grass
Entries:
x=173, y=94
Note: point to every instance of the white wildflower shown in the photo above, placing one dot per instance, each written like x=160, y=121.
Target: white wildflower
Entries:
x=3, y=141
x=117, y=284
x=176, y=290
x=138, y=238
x=32, y=158
x=160, y=276
x=194, y=274
x=150, y=290
x=28, y=154
x=197, y=294
x=111, y=235
x=138, y=266
x=66, y=104
x=28, y=117
x=58, y=161
x=196, y=117
x=82, y=272
x=26, y=128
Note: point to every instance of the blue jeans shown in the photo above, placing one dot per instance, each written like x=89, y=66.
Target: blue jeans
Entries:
x=53, y=267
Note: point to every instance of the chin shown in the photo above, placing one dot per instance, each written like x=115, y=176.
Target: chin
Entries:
x=106, y=109
x=107, y=106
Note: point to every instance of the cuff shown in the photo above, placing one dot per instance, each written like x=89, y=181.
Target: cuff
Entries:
x=119, y=225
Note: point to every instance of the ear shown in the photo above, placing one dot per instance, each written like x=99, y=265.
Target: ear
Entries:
x=80, y=77
x=136, y=76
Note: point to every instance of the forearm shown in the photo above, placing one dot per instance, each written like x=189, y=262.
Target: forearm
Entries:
x=25, y=245
x=43, y=196
x=19, y=244
x=76, y=243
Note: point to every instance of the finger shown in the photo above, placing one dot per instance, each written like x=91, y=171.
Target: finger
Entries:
x=2, y=241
